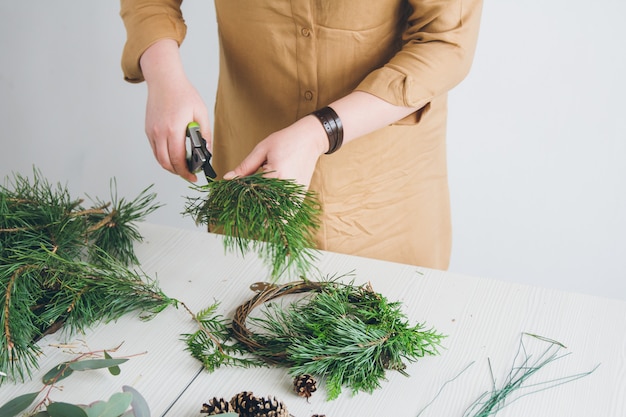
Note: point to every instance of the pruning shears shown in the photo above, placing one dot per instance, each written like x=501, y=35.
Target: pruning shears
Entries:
x=199, y=156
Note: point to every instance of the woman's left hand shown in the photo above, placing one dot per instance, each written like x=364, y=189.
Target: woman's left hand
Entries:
x=290, y=153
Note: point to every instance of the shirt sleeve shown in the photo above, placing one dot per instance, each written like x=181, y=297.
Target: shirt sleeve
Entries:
x=438, y=49
x=146, y=22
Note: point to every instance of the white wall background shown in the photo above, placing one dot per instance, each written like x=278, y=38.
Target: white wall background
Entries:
x=537, y=132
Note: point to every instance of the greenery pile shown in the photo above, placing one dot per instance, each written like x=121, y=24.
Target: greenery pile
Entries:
x=64, y=264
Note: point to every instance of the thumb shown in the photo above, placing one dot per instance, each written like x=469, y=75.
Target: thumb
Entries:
x=248, y=166
x=205, y=129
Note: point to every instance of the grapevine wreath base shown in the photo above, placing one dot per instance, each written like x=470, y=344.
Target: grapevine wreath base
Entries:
x=267, y=292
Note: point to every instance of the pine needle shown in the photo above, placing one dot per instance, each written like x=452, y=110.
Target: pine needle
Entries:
x=516, y=384
x=119, y=234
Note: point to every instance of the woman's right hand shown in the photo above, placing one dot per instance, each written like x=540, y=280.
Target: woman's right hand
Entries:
x=172, y=103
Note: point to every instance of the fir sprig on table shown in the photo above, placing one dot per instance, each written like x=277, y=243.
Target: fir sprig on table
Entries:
x=213, y=345
x=275, y=218
x=63, y=264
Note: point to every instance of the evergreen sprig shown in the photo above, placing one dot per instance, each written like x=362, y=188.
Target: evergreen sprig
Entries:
x=213, y=344
x=62, y=264
x=275, y=218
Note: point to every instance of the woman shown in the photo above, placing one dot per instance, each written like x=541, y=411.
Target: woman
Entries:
x=379, y=72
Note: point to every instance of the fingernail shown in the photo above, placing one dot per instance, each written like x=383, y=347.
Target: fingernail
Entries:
x=229, y=175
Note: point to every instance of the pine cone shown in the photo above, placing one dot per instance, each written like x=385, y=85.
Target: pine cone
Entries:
x=305, y=385
x=216, y=406
x=271, y=407
x=245, y=404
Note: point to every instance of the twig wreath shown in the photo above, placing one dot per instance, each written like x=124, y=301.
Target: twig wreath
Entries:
x=347, y=334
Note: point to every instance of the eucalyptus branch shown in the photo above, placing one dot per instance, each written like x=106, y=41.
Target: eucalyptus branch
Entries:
x=116, y=406
x=273, y=217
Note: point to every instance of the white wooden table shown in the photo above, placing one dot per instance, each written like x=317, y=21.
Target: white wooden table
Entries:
x=484, y=320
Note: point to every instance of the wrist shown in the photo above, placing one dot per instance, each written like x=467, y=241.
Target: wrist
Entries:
x=161, y=61
x=333, y=127
x=315, y=132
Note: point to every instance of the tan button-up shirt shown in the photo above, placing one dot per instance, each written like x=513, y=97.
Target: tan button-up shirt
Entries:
x=384, y=195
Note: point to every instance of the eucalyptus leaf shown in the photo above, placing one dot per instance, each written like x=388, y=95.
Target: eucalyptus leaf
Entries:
x=114, y=370
x=41, y=414
x=139, y=404
x=90, y=364
x=117, y=404
x=59, y=372
x=95, y=408
x=59, y=409
x=17, y=404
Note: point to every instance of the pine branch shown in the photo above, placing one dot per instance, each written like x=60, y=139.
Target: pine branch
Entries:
x=273, y=217
x=115, y=231
x=63, y=264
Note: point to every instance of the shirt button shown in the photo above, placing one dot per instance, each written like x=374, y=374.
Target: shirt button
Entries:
x=308, y=95
x=305, y=32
